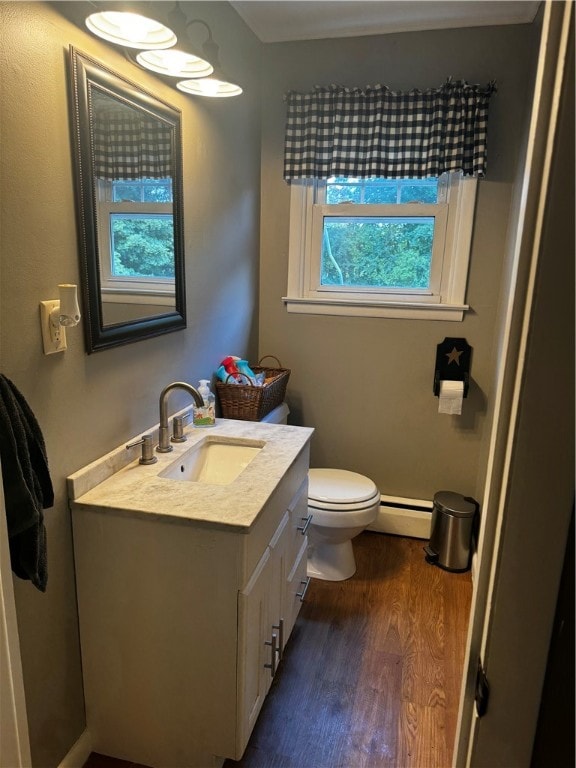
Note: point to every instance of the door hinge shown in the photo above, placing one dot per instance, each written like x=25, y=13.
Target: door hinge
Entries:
x=482, y=690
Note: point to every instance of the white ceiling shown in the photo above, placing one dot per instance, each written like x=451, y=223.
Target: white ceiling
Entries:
x=283, y=20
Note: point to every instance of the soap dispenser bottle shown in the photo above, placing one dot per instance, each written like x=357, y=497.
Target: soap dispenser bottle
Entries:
x=205, y=416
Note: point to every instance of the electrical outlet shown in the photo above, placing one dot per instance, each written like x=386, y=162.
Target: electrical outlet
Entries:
x=53, y=336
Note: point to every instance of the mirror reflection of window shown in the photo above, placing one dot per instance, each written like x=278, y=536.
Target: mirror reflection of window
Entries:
x=132, y=155
x=127, y=153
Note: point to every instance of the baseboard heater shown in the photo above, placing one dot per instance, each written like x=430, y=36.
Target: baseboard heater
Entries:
x=403, y=517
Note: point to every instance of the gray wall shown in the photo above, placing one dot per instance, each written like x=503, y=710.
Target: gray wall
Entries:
x=366, y=384
x=87, y=405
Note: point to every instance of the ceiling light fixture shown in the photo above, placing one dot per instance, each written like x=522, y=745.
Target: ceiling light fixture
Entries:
x=131, y=30
x=209, y=86
x=201, y=75
x=218, y=84
x=174, y=63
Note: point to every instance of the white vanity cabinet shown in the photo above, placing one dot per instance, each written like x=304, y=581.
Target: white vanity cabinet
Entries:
x=183, y=624
x=267, y=609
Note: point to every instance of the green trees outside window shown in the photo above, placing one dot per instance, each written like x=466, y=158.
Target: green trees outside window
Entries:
x=141, y=239
x=378, y=251
x=142, y=245
x=391, y=252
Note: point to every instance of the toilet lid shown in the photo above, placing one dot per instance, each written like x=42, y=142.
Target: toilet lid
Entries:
x=339, y=486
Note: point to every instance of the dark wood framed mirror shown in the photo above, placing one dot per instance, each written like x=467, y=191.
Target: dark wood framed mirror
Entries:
x=127, y=150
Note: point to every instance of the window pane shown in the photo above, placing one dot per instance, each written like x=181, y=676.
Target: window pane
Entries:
x=419, y=191
x=377, y=252
x=142, y=245
x=381, y=191
x=142, y=191
x=125, y=191
x=384, y=192
x=157, y=193
x=343, y=191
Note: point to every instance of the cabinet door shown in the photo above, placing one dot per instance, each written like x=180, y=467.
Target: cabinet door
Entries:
x=255, y=654
x=280, y=555
x=267, y=609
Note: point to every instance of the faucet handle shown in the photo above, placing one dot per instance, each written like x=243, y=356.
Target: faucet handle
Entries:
x=178, y=423
x=147, y=449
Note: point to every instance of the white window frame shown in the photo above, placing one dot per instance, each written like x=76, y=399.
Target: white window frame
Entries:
x=125, y=289
x=445, y=300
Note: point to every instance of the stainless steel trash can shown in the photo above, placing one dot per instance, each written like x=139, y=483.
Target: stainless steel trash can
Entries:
x=453, y=519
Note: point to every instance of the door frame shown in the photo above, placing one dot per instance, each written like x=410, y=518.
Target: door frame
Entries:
x=15, y=747
x=509, y=640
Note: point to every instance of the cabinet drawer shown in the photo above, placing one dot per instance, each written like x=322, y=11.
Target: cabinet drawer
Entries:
x=297, y=583
x=284, y=498
x=298, y=521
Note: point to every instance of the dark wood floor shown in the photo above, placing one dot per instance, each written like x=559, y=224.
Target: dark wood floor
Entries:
x=102, y=761
x=371, y=676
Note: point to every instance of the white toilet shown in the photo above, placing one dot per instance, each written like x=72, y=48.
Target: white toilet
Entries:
x=342, y=505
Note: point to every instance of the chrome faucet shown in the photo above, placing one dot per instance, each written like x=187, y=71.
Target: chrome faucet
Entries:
x=163, y=432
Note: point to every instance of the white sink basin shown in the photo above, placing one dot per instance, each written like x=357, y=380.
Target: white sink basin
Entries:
x=213, y=461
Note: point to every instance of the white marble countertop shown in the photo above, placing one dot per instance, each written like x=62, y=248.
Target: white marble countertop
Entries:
x=118, y=482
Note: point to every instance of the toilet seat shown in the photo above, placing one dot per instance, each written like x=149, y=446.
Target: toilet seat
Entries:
x=340, y=490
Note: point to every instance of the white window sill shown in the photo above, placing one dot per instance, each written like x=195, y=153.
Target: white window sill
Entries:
x=393, y=309
x=134, y=296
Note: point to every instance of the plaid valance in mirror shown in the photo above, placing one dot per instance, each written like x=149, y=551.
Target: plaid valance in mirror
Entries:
x=130, y=145
x=376, y=132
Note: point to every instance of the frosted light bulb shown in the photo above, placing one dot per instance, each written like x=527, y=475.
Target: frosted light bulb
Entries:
x=209, y=86
x=131, y=30
x=174, y=63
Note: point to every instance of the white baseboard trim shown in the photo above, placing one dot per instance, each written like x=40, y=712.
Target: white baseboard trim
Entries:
x=79, y=753
x=403, y=517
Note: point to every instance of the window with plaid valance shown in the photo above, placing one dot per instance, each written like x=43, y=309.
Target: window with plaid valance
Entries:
x=130, y=145
x=376, y=132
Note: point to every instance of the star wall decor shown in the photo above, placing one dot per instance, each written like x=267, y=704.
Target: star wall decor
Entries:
x=454, y=355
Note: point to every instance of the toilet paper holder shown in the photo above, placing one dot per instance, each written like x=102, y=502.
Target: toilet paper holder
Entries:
x=453, y=357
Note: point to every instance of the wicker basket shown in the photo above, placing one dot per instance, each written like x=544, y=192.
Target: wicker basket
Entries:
x=250, y=403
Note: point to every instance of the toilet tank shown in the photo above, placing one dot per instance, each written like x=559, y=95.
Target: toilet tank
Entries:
x=278, y=416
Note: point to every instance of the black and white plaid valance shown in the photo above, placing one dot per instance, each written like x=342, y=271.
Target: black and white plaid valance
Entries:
x=376, y=132
x=129, y=145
